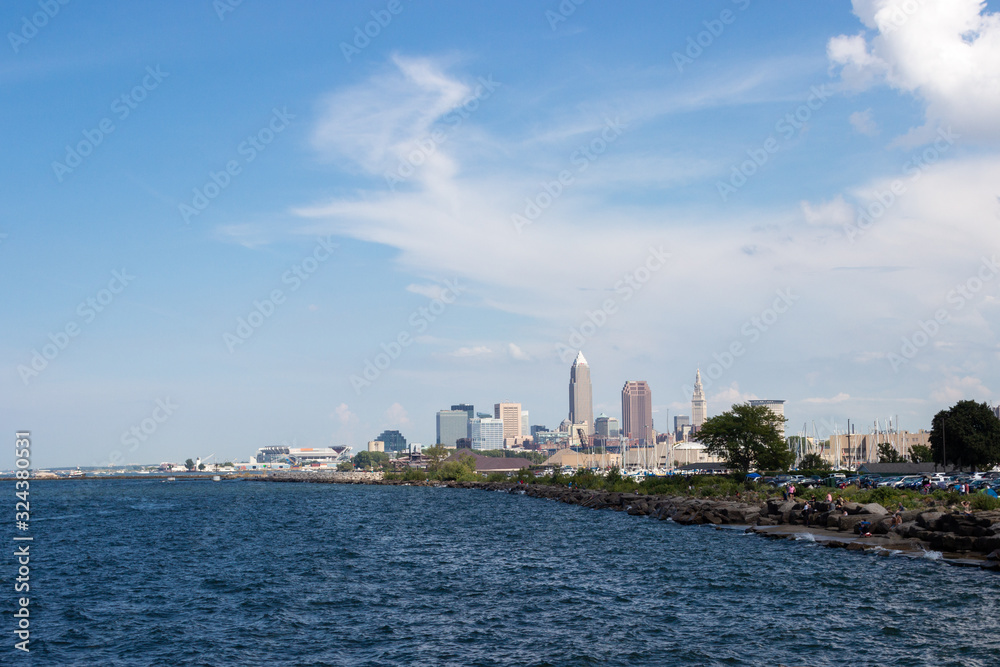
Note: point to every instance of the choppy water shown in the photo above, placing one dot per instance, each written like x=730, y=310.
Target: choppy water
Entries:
x=242, y=573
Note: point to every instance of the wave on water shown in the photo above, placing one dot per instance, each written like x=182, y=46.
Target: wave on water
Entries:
x=932, y=555
x=805, y=537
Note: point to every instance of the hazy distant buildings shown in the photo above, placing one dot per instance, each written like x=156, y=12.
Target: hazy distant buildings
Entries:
x=394, y=441
x=637, y=412
x=699, y=406
x=682, y=427
x=606, y=427
x=486, y=433
x=510, y=415
x=581, y=402
x=452, y=425
x=525, y=428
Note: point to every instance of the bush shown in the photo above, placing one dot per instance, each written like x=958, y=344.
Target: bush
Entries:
x=983, y=501
x=413, y=475
x=496, y=477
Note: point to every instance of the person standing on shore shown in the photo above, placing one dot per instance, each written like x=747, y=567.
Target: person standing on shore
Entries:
x=791, y=492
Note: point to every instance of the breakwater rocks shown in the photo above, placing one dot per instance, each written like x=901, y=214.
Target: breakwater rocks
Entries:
x=961, y=539
x=325, y=476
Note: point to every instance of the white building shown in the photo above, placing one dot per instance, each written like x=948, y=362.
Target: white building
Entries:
x=699, y=406
x=486, y=433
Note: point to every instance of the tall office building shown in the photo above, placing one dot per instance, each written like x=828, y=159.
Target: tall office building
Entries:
x=452, y=425
x=486, y=433
x=637, y=413
x=606, y=427
x=394, y=441
x=777, y=407
x=699, y=406
x=466, y=407
x=681, y=423
x=581, y=402
x=525, y=424
x=510, y=415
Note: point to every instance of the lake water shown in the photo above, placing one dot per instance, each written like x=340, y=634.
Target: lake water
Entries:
x=249, y=573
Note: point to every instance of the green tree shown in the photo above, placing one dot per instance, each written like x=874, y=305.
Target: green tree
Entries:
x=748, y=436
x=436, y=454
x=367, y=460
x=345, y=466
x=201, y=466
x=189, y=464
x=921, y=454
x=462, y=470
x=967, y=434
x=814, y=462
x=888, y=454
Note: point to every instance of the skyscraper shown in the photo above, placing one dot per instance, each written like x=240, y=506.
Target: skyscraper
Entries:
x=581, y=402
x=510, y=414
x=466, y=407
x=637, y=412
x=606, y=427
x=452, y=425
x=699, y=407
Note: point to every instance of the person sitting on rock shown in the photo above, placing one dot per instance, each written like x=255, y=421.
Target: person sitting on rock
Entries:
x=967, y=506
x=862, y=528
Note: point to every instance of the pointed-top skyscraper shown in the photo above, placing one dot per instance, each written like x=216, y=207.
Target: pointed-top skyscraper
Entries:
x=581, y=402
x=699, y=407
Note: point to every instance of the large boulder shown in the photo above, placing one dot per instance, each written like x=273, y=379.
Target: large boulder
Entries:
x=873, y=508
x=929, y=520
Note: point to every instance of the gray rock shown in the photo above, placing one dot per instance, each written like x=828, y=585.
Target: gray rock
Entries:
x=929, y=520
x=874, y=508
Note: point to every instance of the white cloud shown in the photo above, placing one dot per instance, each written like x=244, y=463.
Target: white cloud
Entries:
x=863, y=123
x=344, y=414
x=396, y=416
x=839, y=398
x=727, y=397
x=961, y=388
x=517, y=353
x=833, y=213
x=944, y=52
x=476, y=351
x=429, y=291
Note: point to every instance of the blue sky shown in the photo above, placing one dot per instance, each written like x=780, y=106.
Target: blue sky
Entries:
x=665, y=186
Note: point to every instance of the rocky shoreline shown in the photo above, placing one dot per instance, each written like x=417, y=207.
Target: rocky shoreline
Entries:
x=971, y=540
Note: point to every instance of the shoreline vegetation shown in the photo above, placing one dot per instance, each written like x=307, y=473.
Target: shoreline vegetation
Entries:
x=934, y=525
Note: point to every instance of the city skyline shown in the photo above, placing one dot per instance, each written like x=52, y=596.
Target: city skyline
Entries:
x=220, y=242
